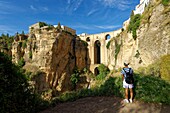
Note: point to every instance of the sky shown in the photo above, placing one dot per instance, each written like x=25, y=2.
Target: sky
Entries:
x=85, y=16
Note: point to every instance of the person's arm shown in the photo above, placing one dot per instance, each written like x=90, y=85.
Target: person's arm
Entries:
x=122, y=77
x=122, y=73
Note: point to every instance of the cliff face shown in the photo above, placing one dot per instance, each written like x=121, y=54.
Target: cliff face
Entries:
x=153, y=39
x=154, y=35
x=54, y=54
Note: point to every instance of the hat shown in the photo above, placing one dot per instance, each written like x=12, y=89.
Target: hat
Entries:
x=126, y=63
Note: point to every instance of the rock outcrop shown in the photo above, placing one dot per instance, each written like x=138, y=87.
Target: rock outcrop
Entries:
x=53, y=54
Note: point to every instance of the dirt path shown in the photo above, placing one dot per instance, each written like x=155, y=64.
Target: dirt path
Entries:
x=106, y=105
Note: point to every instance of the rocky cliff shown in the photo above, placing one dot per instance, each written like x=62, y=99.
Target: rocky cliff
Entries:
x=152, y=42
x=53, y=54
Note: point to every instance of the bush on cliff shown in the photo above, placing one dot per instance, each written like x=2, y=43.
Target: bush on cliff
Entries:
x=134, y=24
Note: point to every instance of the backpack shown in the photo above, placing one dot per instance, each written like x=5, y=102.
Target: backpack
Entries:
x=129, y=76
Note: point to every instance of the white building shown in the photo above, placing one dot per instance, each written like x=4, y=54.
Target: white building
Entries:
x=141, y=7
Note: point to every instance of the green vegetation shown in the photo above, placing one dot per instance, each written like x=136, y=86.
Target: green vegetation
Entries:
x=103, y=72
x=108, y=44
x=117, y=49
x=75, y=78
x=42, y=24
x=137, y=54
x=6, y=41
x=134, y=24
x=165, y=2
x=16, y=94
x=21, y=62
x=147, y=89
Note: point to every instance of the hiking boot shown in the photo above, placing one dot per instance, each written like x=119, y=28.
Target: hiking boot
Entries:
x=130, y=100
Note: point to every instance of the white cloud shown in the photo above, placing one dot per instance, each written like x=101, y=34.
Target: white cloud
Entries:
x=120, y=4
x=73, y=5
x=107, y=26
x=38, y=8
x=33, y=8
x=91, y=12
x=92, y=27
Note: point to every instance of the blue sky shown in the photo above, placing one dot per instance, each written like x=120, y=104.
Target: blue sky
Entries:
x=89, y=16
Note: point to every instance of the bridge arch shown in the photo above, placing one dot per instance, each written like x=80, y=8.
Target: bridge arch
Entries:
x=88, y=39
x=96, y=71
x=97, y=52
x=107, y=37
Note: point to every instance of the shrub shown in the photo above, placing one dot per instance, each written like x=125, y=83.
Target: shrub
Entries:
x=137, y=54
x=42, y=24
x=108, y=44
x=134, y=24
x=103, y=71
x=75, y=78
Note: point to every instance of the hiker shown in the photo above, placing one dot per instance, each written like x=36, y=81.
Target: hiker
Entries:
x=127, y=77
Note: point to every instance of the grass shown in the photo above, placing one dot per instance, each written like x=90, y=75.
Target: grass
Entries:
x=147, y=89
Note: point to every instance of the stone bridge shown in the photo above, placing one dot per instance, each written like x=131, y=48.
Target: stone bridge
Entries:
x=97, y=48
